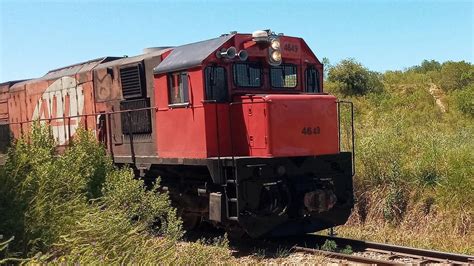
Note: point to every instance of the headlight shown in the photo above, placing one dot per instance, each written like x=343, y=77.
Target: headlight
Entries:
x=274, y=52
x=275, y=44
x=276, y=56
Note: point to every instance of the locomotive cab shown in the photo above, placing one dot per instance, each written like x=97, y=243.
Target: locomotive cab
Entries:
x=259, y=97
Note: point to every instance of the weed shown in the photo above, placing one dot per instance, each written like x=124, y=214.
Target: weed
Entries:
x=329, y=245
x=395, y=205
x=347, y=250
x=221, y=241
x=260, y=253
x=282, y=252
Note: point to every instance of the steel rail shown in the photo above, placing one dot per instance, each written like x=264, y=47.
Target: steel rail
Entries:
x=342, y=256
x=393, y=251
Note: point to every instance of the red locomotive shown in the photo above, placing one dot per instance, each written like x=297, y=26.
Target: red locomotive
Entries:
x=237, y=127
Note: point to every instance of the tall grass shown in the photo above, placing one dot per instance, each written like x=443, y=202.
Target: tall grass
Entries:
x=77, y=207
x=414, y=162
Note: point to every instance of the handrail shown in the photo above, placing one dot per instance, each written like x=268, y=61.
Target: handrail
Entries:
x=109, y=135
x=352, y=130
x=109, y=142
x=84, y=115
x=130, y=135
x=219, y=164
x=219, y=155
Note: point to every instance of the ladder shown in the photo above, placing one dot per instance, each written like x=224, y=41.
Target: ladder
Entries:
x=231, y=192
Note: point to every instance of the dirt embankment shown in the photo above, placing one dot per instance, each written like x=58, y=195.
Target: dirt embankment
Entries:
x=439, y=96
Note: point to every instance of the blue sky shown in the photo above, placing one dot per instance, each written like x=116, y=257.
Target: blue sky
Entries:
x=36, y=36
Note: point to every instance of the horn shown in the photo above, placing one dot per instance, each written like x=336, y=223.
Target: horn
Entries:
x=243, y=55
x=229, y=53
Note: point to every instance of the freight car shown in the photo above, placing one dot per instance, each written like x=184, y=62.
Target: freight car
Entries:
x=237, y=127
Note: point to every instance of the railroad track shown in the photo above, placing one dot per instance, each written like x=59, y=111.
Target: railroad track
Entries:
x=365, y=252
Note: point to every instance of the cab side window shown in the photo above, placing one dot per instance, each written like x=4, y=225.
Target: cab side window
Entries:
x=312, y=80
x=178, y=88
x=216, y=84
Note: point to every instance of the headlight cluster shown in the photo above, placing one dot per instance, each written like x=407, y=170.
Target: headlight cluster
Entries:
x=274, y=56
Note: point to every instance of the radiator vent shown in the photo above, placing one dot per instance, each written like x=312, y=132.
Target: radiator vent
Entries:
x=133, y=82
x=5, y=137
x=141, y=120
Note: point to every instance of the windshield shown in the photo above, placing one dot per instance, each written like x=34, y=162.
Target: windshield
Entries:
x=247, y=75
x=283, y=76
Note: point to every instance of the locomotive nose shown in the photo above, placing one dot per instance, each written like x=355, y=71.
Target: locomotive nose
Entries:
x=292, y=125
x=302, y=125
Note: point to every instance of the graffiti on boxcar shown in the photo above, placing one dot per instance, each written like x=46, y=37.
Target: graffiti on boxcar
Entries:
x=62, y=99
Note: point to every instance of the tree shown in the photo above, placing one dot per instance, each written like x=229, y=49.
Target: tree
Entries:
x=426, y=66
x=456, y=75
x=464, y=100
x=353, y=78
x=327, y=65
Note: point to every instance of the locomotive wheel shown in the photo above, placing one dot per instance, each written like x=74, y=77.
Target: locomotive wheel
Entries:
x=190, y=221
x=236, y=233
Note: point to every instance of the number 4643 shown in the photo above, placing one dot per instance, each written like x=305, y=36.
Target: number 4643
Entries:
x=311, y=131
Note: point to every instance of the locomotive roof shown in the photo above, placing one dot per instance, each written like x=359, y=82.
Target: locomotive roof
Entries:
x=67, y=70
x=133, y=59
x=77, y=68
x=89, y=65
x=190, y=55
x=11, y=82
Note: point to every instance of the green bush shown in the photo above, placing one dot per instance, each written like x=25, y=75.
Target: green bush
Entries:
x=351, y=78
x=427, y=66
x=464, y=100
x=77, y=207
x=456, y=75
x=347, y=250
x=123, y=193
x=108, y=236
x=329, y=245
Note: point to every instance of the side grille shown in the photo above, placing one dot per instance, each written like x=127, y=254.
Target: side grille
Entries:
x=141, y=120
x=5, y=137
x=132, y=81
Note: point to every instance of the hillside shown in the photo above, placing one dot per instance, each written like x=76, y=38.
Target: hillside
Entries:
x=414, y=153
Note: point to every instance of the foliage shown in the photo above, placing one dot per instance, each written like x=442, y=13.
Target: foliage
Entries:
x=354, y=79
x=347, y=250
x=329, y=245
x=426, y=66
x=456, y=75
x=124, y=193
x=464, y=100
x=260, y=253
x=203, y=252
x=77, y=207
x=282, y=252
x=327, y=65
x=413, y=160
